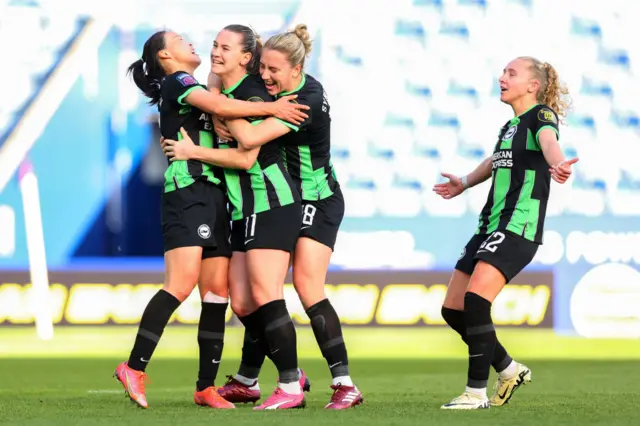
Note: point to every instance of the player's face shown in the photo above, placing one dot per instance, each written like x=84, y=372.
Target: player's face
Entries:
x=516, y=81
x=278, y=75
x=226, y=55
x=180, y=49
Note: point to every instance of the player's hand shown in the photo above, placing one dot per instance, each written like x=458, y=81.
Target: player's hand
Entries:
x=289, y=111
x=562, y=171
x=163, y=142
x=448, y=190
x=221, y=129
x=179, y=150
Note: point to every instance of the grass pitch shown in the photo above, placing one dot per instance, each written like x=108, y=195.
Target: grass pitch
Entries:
x=405, y=376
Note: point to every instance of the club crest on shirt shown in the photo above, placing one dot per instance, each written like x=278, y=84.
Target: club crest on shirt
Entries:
x=510, y=133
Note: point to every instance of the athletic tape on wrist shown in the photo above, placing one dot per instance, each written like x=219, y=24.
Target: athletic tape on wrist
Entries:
x=465, y=182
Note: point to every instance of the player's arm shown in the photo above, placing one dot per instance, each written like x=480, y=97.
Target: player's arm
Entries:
x=548, y=141
x=185, y=90
x=559, y=167
x=232, y=158
x=258, y=133
x=232, y=108
x=479, y=174
x=214, y=85
x=457, y=185
x=546, y=131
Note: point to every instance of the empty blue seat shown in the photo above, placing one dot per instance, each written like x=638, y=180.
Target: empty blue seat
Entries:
x=457, y=29
x=585, y=28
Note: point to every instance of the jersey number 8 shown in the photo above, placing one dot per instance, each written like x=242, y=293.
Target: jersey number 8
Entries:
x=308, y=212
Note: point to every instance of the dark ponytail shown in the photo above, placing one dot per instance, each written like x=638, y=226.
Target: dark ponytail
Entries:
x=250, y=44
x=253, y=67
x=147, y=72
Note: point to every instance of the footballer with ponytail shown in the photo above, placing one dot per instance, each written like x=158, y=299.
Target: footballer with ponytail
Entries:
x=552, y=93
x=525, y=158
x=307, y=155
x=147, y=72
x=195, y=222
x=265, y=210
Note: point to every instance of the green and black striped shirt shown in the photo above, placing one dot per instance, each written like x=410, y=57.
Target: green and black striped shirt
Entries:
x=520, y=179
x=266, y=185
x=176, y=113
x=307, y=149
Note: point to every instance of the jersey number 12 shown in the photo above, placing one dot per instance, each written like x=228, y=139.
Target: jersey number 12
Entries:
x=496, y=238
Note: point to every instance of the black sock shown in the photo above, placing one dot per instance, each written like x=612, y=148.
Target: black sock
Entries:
x=481, y=338
x=456, y=321
x=210, y=342
x=501, y=358
x=328, y=332
x=280, y=335
x=154, y=319
x=253, y=348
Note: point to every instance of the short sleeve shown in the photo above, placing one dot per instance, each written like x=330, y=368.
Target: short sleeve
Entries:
x=253, y=91
x=176, y=87
x=303, y=100
x=545, y=118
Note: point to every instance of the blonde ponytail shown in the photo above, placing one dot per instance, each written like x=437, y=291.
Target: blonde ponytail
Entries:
x=295, y=44
x=552, y=93
x=555, y=94
x=303, y=34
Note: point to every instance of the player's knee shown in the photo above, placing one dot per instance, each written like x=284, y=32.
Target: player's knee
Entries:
x=179, y=292
x=241, y=306
x=310, y=296
x=301, y=281
x=446, y=314
x=216, y=284
x=181, y=285
x=454, y=299
x=261, y=296
x=456, y=305
x=304, y=280
x=214, y=295
x=260, y=299
x=310, y=290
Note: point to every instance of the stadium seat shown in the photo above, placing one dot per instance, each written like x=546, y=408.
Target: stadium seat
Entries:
x=450, y=116
x=441, y=112
x=43, y=33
